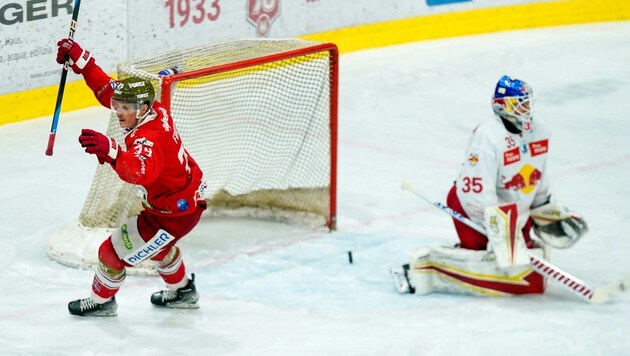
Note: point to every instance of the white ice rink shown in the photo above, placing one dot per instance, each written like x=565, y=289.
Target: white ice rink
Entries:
x=267, y=288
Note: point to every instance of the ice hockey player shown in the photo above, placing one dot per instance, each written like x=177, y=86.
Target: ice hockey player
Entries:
x=503, y=186
x=171, y=182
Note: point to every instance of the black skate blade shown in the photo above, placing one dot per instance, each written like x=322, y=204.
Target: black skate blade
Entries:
x=97, y=313
x=178, y=306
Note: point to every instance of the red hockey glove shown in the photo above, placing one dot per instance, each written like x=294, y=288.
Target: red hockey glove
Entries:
x=105, y=148
x=76, y=56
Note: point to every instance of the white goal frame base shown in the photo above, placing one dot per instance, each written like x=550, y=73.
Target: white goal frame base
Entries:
x=81, y=249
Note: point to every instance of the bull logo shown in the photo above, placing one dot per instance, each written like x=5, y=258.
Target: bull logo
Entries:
x=262, y=13
x=525, y=180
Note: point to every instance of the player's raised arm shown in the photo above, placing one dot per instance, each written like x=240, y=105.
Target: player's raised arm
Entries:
x=82, y=62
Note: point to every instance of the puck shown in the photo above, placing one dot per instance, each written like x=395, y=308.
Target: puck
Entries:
x=350, y=257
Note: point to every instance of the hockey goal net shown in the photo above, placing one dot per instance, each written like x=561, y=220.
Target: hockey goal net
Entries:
x=260, y=118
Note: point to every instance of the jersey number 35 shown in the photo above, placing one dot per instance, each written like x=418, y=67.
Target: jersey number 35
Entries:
x=472, y=184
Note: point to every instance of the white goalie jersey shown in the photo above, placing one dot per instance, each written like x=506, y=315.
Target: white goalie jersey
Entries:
x=502, y=167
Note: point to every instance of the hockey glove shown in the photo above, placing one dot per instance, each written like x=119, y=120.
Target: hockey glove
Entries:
x=556, y=226
x=76, y=56
x=105, y=148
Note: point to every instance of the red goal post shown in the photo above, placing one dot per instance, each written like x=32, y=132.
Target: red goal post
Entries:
x=260, y=118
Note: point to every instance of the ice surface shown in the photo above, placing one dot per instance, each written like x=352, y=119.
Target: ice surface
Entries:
x=268, y=288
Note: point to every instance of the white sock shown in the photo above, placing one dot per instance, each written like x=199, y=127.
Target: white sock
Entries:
x=99, y=299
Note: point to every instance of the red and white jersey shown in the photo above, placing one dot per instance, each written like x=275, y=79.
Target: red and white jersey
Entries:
x=155, y=157
x=501, y=167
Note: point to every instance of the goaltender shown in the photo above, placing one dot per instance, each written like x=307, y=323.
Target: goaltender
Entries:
x=503, y=185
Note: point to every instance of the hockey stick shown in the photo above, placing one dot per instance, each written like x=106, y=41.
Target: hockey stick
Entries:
x=62, y=83
x=575, y=285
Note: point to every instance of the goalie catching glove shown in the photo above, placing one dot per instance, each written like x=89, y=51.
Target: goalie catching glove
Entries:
x=556, y=226
x=105, y=148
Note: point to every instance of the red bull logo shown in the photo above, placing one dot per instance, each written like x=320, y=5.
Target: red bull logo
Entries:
x=262, y=13
x=525, y=180
x=473, y=159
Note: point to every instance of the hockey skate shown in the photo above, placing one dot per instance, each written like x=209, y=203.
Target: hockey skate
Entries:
x=88, y=307
x=182, y=298
x=401, y=280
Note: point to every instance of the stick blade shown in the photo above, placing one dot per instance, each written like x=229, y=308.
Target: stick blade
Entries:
x=406, y=185
x=604, y=294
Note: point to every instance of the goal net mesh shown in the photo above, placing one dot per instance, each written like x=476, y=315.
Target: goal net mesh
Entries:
x=257, y=115
x=260, y=132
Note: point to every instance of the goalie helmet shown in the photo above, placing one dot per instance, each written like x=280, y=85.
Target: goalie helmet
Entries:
x=513, y=101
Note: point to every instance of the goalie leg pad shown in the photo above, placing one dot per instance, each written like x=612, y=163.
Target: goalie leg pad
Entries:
x=422, y=283
x=505, y=236
x=462, y=271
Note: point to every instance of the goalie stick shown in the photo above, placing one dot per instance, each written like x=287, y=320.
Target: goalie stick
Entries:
x=62, y=83
x=598, y=295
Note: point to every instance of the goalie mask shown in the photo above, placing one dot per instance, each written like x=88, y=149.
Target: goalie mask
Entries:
x=130, y=94
x=513, y=101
